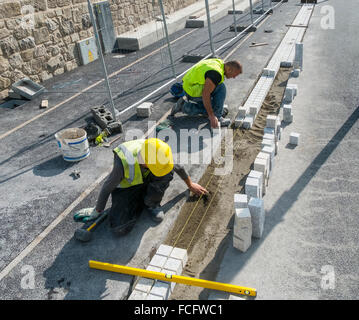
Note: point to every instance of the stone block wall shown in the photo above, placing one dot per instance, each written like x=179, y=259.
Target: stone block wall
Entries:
x=38, y=37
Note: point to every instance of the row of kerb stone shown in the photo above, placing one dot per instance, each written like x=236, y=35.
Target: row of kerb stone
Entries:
x=168, y=260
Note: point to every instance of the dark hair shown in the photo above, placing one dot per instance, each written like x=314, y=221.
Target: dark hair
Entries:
x=234, y=65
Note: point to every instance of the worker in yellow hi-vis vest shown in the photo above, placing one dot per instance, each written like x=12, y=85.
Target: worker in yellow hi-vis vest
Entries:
x=141, y=173
x=205, y=91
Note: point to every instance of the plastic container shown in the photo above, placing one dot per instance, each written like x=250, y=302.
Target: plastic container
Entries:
x=73, y=144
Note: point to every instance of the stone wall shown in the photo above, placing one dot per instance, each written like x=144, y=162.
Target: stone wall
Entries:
x=38, y=37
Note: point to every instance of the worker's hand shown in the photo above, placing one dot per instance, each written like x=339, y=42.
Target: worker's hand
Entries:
x=214, y=121
x=86, y=214
x=197, y=189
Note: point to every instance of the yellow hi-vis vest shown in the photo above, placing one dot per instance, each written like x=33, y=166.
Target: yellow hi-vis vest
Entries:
x=128, y=152
x=194, y=80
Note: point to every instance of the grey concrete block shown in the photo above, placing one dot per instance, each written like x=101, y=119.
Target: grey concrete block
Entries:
x=144, y=285
x=242, y=112
x=286, y=64
x=158, y=261
x=144, y=110
x=295, y=73
x=253, y=187
x=269, y=131
x=248, y=122
x=261, y=179
x=164, y=250
x=238, y=122
x=271, y=121
x=242, y=230
x=174, y=265
x=294, y=138
x=269, y=136
x=267, y=143
x=268, y=72
x=256, y=208
x=161, y=289
x=253, y=110
x=137, y=295
x=240, y=200
x=298, y=56
x=194, y=23
x=180, y=254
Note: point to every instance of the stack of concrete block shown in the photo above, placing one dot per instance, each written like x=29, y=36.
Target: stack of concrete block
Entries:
x=168, y=260
x=271, y=151
x=256, y=209
x=266, y=157
x=261, y=165
x=253, y=187
x=144, y=110
x=242, y=112
x=290, y=92
x=287, y=113
x=261, y=180
x=242, y=231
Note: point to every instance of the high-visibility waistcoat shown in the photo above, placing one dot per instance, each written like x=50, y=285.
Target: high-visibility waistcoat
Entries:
x=194, y=80
x=128, y=153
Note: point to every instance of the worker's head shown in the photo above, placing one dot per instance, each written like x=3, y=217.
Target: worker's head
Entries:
x=157, y=156
x=232, y=69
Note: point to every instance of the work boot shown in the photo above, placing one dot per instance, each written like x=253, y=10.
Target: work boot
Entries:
x=225, y=111
x=156, y=214
x=178, y=106
x=225, y=122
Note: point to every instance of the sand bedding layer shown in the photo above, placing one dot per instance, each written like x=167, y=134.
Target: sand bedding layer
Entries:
x=204, y=227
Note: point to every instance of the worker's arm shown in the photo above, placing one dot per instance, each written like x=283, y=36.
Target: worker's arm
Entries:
x=112, y=181
x=192, y=186
x=208, y=88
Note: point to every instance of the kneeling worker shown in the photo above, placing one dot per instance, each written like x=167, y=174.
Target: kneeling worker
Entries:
x=205, y=91
x=141, y=173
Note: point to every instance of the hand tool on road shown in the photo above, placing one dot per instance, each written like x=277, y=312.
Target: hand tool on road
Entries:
x=84, y=233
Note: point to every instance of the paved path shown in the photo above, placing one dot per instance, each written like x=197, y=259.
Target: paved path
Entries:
x=309, y=249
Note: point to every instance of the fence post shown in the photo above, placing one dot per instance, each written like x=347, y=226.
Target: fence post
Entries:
x=251, y=9
x=234, y=18
x=167, y=38
x=99, y=49
x=209, y=28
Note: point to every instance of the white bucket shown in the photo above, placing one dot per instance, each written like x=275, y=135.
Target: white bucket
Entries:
x=73, y=143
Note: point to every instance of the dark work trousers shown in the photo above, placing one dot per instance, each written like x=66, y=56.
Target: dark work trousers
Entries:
x=128, y=203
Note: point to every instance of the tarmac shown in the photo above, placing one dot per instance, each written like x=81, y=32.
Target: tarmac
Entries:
x=309, y=249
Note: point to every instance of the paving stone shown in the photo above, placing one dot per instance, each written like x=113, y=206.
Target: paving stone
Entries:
x=258, y=175
x=137, y=295
x=268, y=72
x=253, y=110
x=242, y=112
x=161, y=289
x=268, y=133
x=144, y=285
x=158, y=261
x=267, y=143
x=261, y=165
x=180, y=254
x=242, y=230
x=174, y=265
x=153, y=297
x=271, y=121
x=266, y=157
x=294, y=138
x=240, y=200
x=248, y=122
x=256, y=208
x=164, y=250
x=253, y=188
x=144, y=110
